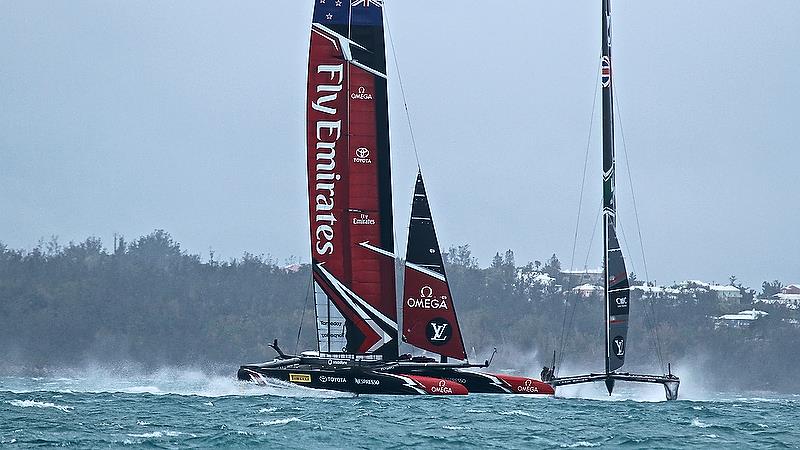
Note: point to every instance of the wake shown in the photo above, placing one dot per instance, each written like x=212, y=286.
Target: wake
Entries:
x=164, y=381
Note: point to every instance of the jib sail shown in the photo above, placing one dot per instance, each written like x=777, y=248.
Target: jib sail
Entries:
x=616, y=277
x=429, y=315
x=349, y=184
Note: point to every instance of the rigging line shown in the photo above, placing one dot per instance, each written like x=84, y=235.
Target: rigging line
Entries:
x=395, y=244
x=303, y=315
x=585, y=265
x=402, y=89
x=594, y=231
x=583, y=178
x=638, y=229
x=580, y=207
x=649, y=322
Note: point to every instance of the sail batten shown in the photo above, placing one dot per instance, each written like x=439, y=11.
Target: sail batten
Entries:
x=429, y=316
x=349, y=181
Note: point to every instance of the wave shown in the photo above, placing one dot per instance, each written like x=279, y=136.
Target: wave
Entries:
x=580, y=444
x=156, y=434
x=455, y=427
x=697, y=423
x=281, y=421
x=37, y=404
x=515, y=412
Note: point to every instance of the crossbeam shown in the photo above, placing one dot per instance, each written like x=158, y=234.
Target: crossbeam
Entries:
x=670, y=382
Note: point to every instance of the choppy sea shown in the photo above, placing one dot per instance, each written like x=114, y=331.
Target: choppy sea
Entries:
x=179, y=408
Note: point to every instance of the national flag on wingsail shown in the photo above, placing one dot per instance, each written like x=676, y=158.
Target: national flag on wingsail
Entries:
x=378, y=3
x=367, y=12
x=331, y=12
x=605, y=71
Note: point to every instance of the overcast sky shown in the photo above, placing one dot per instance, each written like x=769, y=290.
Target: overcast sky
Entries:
x=189, y=116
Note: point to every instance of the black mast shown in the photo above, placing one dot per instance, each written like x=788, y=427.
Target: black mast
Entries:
x=608, y=162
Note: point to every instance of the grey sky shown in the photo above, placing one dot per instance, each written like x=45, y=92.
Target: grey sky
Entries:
x=189, y=116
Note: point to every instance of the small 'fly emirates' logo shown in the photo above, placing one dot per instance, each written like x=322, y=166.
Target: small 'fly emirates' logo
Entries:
x=328, y=133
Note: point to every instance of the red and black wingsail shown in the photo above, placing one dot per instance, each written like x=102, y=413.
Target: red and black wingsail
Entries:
x=349, y=181
x=429, y=315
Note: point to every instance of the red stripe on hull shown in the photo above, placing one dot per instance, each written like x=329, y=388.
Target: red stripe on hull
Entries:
x=524, y=385
x=439, y=386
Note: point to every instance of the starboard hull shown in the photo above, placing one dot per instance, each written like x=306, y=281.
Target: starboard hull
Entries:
x=351, y=379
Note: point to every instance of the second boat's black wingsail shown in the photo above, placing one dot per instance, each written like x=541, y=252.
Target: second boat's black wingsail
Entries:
x=617, y=287
x=616, y=278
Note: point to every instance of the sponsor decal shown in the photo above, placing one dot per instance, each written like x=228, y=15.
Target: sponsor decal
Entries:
x=328, y=133
x=363, y=219
x=300, y=378
x=370, y=381
x=427, y=300
x=362, y=94
x=427, y=303
x=622, y=302
x=362, y=156
x=327, y=379
x=605, y=71
x=438, y=331
x=337, y=362
x=331, y=328
x=528, y=387
x=619, y=346
x=333, y=335
x=442, y=388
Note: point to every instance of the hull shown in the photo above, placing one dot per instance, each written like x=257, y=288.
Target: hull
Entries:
x=487, y=383
x=358, y=380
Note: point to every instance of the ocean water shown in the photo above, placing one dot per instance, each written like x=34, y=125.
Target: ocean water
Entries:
x=179, y=408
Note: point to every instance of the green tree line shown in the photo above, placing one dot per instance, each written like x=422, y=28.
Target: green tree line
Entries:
x=151, y=302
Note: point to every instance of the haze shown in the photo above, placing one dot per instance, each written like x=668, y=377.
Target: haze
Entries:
x=124, y=117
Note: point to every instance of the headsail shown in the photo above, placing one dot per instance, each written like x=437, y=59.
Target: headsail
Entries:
x=616, y=277
x=349, y=180
x=429, y=315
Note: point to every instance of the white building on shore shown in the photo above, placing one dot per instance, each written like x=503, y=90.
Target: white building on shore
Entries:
x=742, y=319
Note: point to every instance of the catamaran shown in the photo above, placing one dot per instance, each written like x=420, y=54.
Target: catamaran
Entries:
x=617, y=287
x=352, y=243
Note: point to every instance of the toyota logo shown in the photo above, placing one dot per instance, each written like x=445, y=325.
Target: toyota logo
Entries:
x=362, y=152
